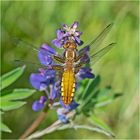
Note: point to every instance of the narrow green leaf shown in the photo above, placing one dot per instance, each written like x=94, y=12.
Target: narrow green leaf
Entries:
x=91, y=87
x=108, y=99
x=11, y=77
x=88, y=105
x=10, y=105
x=17, y=94
x=4, y=128
x=105, y=93
x=96, y=121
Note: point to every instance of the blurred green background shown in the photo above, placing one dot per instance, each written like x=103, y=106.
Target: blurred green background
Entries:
x=37, y=22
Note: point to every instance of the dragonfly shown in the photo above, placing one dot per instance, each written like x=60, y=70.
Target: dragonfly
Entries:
x=70, y=64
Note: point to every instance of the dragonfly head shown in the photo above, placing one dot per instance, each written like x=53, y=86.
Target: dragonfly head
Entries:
x=70, y=45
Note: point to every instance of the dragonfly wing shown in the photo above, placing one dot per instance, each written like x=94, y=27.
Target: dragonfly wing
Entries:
x=30, y=65
x=96, y=56
x=36, y=66
x=22, y=43
x=95, y=43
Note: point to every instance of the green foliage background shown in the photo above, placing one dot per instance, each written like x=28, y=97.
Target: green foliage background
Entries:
x=37, y=22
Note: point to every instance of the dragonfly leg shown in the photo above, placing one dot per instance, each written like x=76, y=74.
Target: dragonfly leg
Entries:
x=78, y=66
x=57, y=68
x=79, y=56
x=59, y=58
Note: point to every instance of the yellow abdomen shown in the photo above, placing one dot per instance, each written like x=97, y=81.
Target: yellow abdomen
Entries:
x=68, y=86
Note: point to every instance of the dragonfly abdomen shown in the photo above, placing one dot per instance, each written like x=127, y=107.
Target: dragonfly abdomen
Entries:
x=68, y=86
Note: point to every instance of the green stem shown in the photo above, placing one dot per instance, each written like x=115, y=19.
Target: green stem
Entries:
x=55, y=126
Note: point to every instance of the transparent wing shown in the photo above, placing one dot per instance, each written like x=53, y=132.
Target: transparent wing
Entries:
x=25, y=44
x=32, y=65
x=95, y=51
x=95, y=43
x=96, y=56
x=28, y=63
x=24, y=51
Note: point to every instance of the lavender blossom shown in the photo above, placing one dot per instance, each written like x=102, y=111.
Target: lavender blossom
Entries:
x=68, y=33
x=45, y=54
x=39, y=104
x=85, y=73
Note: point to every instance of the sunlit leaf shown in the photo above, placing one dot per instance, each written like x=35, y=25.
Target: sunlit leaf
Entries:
x=89, y=96
x=11, y=77
x=4, y=127
x=10, y=105
x=91, y=87
x=17, y=94
x=108, y=99
x=96, y=121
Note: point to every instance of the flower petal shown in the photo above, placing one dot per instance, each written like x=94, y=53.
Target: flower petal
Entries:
x=61, y=112
x=45, y=54
x=85, y=58
x=45, y=59
x=77, y=33
x=50, y=76
x=73, y=105
x=74, y=25
x=63, y=118
x=42, y=99
x=60, y=34
x=57, y=43
x=85, y=73
x=47, y=49
x=85, y=49
x=37, y=106
x=54, y=90
x=36, y=80
x=65, y=27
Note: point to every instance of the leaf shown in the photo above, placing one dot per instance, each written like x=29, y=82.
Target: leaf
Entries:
x=88, y=106
x=100, y=123
x=17, y=94
x=108, y=99
x=89, y=97
x=91, y=87
x=105, y=93
x=7, y=100
x=4, y=128
x=10, y=105
x=10, y=77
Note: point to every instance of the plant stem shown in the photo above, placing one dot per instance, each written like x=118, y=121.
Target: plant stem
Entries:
x=35, y=124
x=51, y=128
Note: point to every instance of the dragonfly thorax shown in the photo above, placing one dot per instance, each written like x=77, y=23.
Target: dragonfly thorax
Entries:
x=70, y=44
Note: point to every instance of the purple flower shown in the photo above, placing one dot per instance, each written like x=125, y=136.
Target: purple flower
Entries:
x=67, y=33
x=86, y=57
x=42, y=79
x=73, y=105
x=45, y=54
x=58, y=43
x=39, y=104
x=54, y=90
x=61, y=112
x=85, y=73
x=60, y=34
